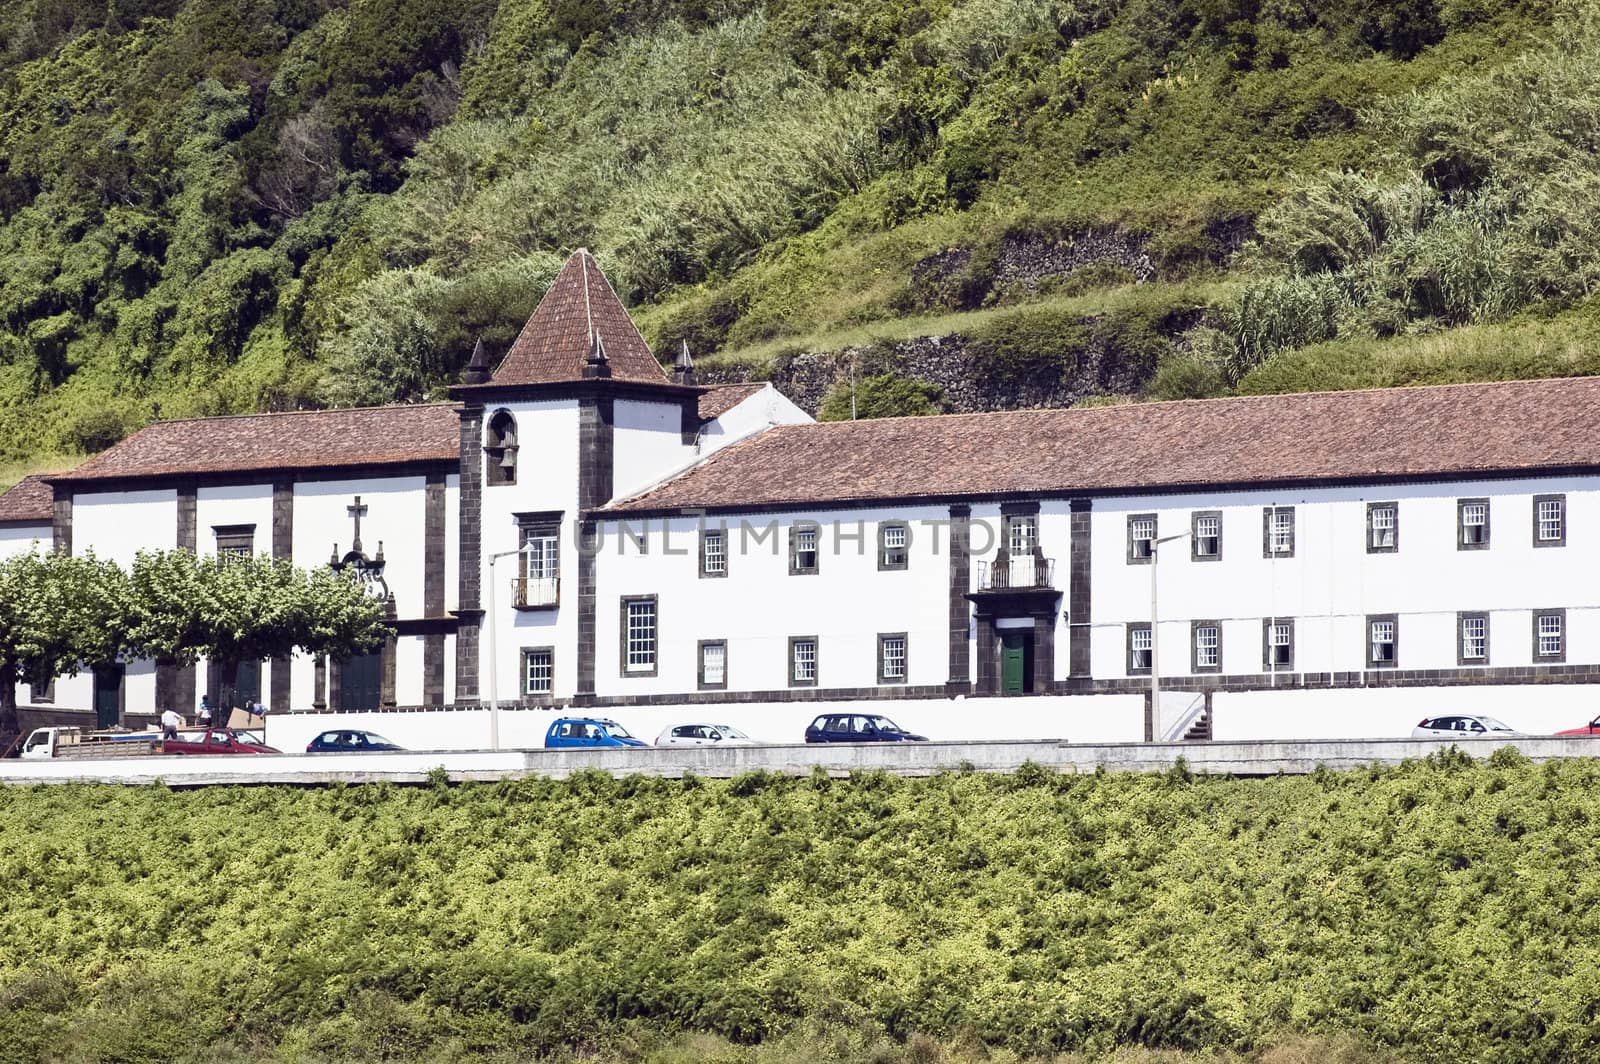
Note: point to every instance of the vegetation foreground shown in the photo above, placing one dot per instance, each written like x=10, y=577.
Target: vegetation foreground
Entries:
x=1441, y=910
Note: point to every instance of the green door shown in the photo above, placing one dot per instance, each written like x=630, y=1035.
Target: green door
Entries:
x=107, y=696
x=1013, y=662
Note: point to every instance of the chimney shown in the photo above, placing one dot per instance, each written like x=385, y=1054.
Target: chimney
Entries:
x=683, y=369
x=596, y=365
x=477, y=371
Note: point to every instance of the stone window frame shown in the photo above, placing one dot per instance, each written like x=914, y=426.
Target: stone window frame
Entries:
x=1559, y=656
x=495, y=448
x=1461, y=525
x=1195, y=537
x=1148, y=558
x=1372, y=546
x=1134, y=627
x=816, y=660
x=905, y=658
x=795, y=568
x=1267, y=664
x=719, y=532
x=542, y=524
x=1195, y=627
x=526, y=658
x=1394, y=651
x=622, y=649
x=1267, y=514
x=1560, y=499
x=886, y=563
x=700, y=664
x=235, y=540
x=1462, y=660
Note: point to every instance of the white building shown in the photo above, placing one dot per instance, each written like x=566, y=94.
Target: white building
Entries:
x=580, y=530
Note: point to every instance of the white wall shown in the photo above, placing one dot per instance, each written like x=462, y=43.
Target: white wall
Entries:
x=1331, y=583
x=19, y=539
x=762, y=410
x=1085, y=718
x=647, y=442
x=119, y=524
x=1391, y=712
x=243, y=504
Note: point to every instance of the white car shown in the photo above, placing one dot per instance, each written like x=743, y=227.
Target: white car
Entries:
x=1462, y=726
x=703, y=735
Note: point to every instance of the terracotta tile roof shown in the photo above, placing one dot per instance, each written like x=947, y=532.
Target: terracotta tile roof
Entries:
x=310, y=439
x=1403, y=432
x=722, y=398
x=30, y=499
x=555, y=342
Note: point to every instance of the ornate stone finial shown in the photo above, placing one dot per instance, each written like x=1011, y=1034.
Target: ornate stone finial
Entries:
x=597, y=365
x=683, y=368
x=477, y=371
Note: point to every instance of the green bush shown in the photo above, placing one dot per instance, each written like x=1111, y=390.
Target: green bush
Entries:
x=882, y=395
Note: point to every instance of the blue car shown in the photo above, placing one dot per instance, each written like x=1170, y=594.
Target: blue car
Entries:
x=588, y=731
x=858, y=728
x=349, y=741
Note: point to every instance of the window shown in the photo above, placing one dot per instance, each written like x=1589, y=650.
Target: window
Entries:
x=1277, y=532
x=639, y=621
x=538, y=670
x=1472, y=520
x=713, y=552
x=803, y=661
x=500, y=450
x=713, y=664
x=892, y=657
x=1383, y=640
x=1549, y=520
x=235, y=541
x=803, y=539
x=1022, y=534
x=1472, y=639
x=1139, y=649
x=1549, y=636
x=1141, y=538
x=1383, y=527
x=1206, y=646
x=538, y=560
x=1206, y=541
x=1277, y=639
x=894, y=545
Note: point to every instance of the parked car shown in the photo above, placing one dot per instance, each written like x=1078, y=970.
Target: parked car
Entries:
x=589, y=731
x=349, y=741
x=216, y=741
x=703, y=735
x=1462, y=726
x=858, y=728
x=1591, y=728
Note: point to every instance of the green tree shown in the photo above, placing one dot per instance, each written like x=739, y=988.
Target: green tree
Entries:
x=231, y=609
x=57, y=614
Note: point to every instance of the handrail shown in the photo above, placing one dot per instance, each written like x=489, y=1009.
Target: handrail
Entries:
x=1017, y=573
x=1184, y=720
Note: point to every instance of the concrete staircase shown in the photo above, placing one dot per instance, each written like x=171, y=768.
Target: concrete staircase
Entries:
x=1200, y=730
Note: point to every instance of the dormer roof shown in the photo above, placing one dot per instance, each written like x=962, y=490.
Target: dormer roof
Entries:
x=578, y=315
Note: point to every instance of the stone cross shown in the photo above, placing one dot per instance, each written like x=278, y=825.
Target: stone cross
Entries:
x=358, y=512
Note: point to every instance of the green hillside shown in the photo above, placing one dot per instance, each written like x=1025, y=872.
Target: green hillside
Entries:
x=1438, y=911
x=221, y=205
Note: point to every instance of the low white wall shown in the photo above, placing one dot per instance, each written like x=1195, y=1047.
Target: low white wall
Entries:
x=1391, y=712
x=1078, y=719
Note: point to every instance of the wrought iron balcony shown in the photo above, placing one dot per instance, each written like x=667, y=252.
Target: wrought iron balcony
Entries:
x=543, y=593
x=1026, y=573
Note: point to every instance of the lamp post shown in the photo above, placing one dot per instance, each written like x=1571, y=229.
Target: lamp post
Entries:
x=494, y=645
x=1155, y=624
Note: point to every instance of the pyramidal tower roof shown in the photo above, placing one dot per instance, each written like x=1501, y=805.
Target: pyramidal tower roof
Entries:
x=558, y=340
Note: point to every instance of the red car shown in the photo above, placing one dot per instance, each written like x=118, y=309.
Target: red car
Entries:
x=216, y=741
x=1591, y=728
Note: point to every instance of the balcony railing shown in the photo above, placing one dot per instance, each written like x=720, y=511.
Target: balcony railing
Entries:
x=529, y=593
x=1025, y=573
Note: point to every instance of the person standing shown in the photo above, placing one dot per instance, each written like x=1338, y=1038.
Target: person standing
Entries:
x=169, y=723
x=204, y=716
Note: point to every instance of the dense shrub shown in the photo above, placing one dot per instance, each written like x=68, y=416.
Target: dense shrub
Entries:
x=882, y=395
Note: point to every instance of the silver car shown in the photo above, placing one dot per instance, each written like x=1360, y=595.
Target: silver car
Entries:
x=703, y=735
x=1463, y=726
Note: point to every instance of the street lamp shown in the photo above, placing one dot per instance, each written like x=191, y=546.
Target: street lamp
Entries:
x=1155, y=624
x=494, y=644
